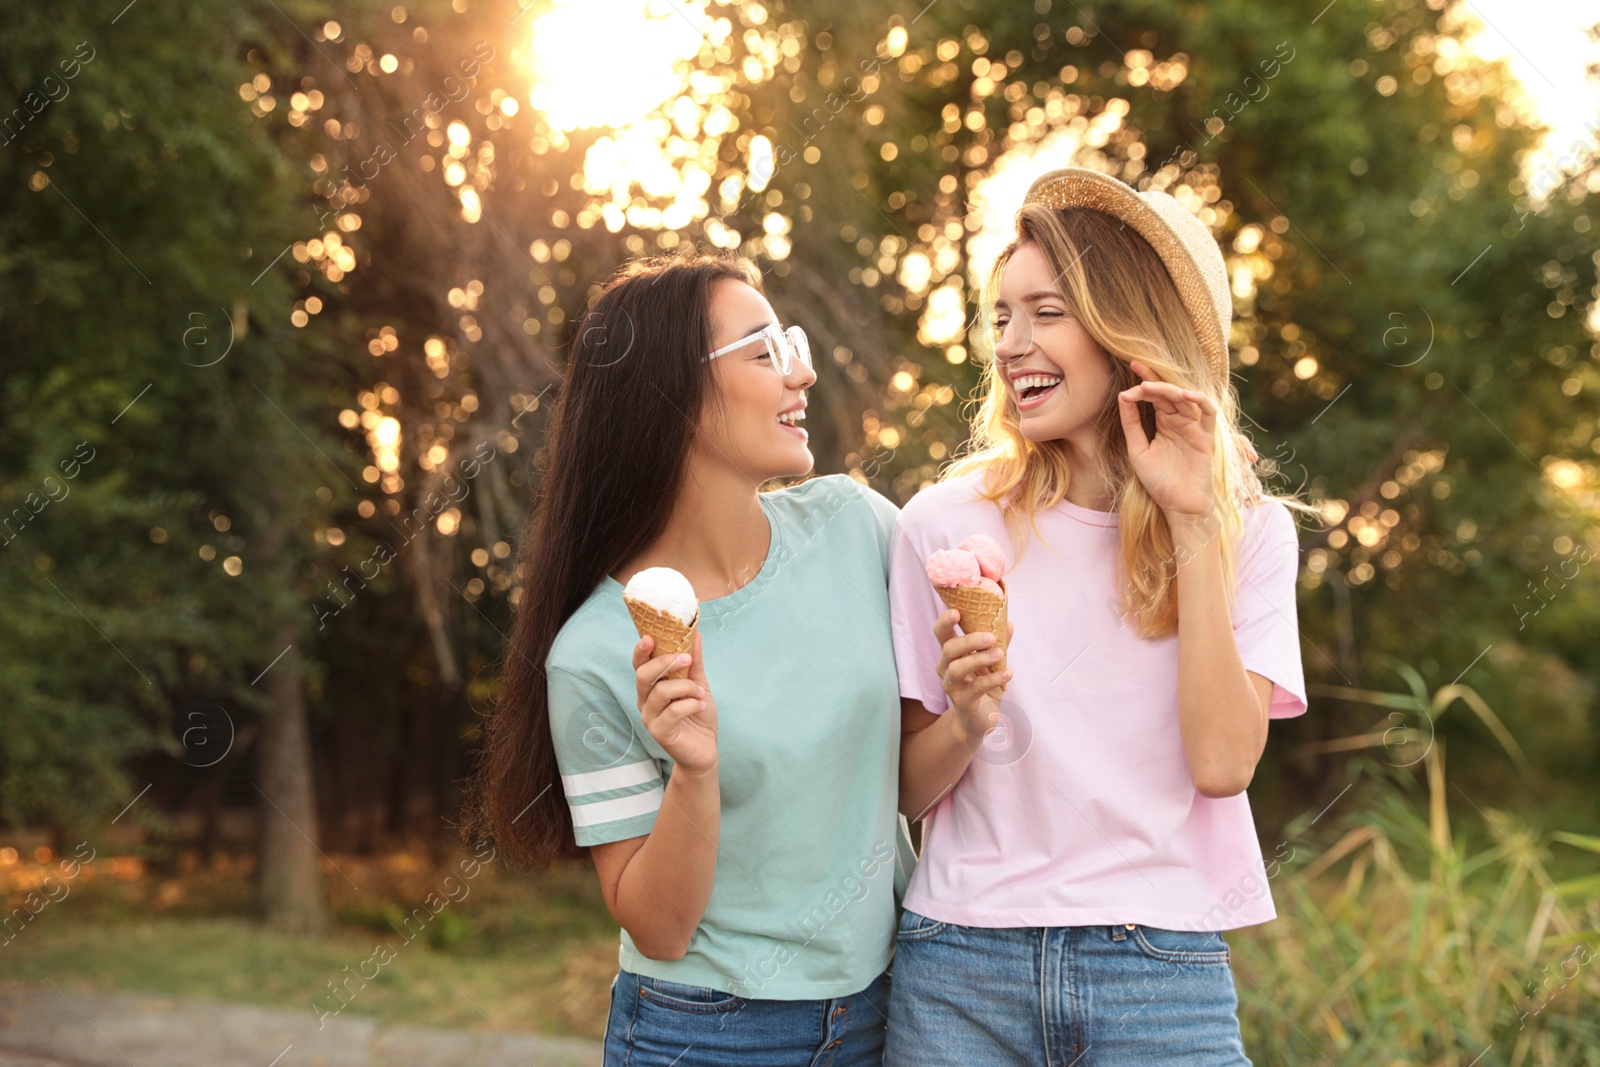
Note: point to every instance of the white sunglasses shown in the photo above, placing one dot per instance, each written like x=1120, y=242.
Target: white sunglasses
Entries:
x=785, y=346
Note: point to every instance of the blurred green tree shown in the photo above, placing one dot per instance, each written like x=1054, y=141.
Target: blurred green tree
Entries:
x=142, y=217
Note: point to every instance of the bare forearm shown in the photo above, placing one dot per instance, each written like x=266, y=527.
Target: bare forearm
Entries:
x=932, y=761
x=666, y=886
x=1223, y=725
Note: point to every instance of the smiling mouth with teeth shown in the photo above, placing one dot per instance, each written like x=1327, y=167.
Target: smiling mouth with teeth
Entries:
x=789, y=418
x=1033, y=385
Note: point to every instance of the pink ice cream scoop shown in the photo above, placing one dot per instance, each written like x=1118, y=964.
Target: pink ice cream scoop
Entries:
x=991, y=561
x=954, y=566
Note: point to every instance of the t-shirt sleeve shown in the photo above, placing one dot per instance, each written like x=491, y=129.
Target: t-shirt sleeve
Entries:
x=1265, y=624
x=913, y=609
x=884, y=514
x=613, y=785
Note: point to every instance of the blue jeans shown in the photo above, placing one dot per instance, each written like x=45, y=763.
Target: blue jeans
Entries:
x=1088, y=996
x=654, y=1023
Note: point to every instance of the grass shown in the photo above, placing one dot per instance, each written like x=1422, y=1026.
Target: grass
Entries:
x=530, y=954
x=231, y=960
x=1412, y=941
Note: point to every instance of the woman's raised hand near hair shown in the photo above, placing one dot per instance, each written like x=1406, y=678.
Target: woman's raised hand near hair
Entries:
x=1174, y=466
x=680, y=713
x=966, y=670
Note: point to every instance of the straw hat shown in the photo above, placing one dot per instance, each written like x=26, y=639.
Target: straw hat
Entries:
x=1183, y=242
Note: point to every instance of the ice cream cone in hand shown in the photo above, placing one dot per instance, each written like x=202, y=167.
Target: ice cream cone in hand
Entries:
x=663, y=606
x=971, y=579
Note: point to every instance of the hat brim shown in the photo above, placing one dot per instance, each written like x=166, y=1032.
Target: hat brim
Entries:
x=1081, y=187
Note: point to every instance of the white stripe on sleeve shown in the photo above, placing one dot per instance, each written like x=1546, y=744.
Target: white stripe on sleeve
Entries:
x=578, y=785
x=620, y=808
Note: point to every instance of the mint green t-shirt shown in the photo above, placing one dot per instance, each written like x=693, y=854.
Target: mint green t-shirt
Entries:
x=813, y=856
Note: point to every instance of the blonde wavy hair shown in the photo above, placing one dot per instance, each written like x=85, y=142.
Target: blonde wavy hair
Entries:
x=1128, y=304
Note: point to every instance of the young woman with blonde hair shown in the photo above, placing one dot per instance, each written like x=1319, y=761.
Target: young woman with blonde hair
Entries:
x=1087, y=835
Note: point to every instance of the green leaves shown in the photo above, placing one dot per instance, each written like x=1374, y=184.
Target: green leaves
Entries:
x=142, y=198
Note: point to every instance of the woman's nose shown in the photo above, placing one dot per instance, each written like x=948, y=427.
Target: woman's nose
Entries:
x=1015, y=339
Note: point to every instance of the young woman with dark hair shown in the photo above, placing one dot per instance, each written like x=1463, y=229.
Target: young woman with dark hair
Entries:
x=742, y=820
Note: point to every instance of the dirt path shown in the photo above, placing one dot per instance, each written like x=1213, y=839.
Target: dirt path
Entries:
x=42, y=1026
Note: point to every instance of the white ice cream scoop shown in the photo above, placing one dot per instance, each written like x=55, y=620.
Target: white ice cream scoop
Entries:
x=666, y=590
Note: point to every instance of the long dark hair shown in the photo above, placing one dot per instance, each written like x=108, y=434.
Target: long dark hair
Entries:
x=615, y=451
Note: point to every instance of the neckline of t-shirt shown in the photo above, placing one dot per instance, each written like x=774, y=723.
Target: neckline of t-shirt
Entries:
x=769, y=567
x=1086, y=515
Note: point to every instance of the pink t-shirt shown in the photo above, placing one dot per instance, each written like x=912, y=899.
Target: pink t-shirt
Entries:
x=1079, y=808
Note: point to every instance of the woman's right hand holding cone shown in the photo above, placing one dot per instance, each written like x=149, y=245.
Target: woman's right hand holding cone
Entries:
x=966, y=669
x=680, y=713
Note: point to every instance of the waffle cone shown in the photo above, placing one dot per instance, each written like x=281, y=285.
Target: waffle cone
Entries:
x=670, y=632
x=981, y=612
